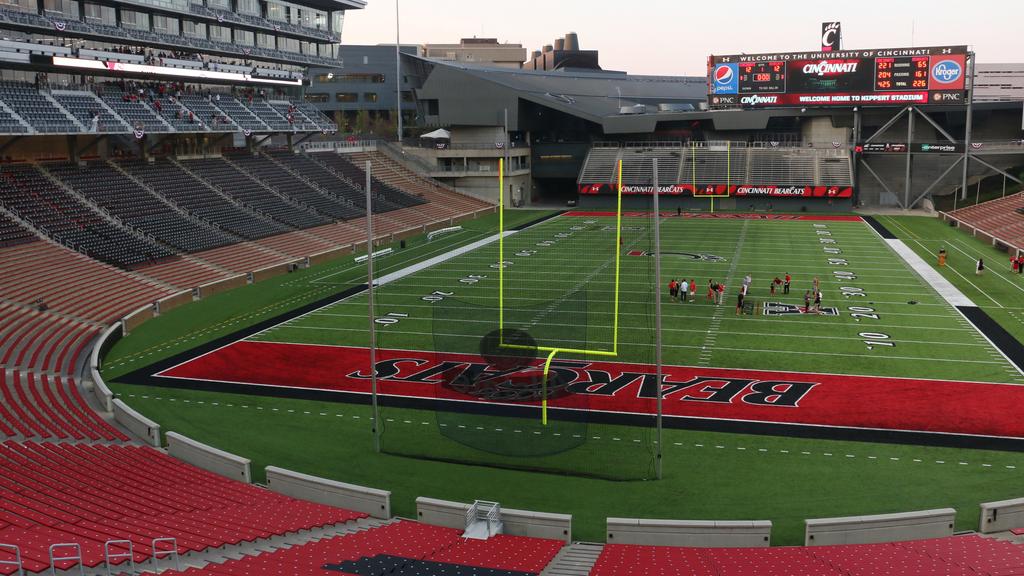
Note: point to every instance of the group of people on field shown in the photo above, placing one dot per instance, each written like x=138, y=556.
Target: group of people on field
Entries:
x=686, y=291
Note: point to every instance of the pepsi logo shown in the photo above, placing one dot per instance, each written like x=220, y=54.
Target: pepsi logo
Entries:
x=723, y=75
x=947, y=71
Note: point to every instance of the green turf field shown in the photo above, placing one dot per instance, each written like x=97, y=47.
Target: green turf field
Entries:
x=707, y=475
x=931, y=339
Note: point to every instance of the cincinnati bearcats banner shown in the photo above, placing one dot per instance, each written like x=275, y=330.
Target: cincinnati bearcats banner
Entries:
x=742, y=190
x=860, y=402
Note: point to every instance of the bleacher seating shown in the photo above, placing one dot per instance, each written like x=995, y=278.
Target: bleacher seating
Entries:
x=12, y=233
x=326, y=179
x=269, y=115
x=998, y=218
x=299, y=120
x=968, y=554
x=292, y=186
x=27, y=192
x=238, y=113
x=36, y=109
x=316, y=116
x=204, y=111
x=181, y=189
x=402, y=548
x=718, y=163
x=238, y=185
x=90, y=494
x=346, y=168
x=134, y=110
x=86, y=107
x=133, y=204
x=10, y=125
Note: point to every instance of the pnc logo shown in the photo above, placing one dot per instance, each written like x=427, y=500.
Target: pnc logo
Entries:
x=947, y=71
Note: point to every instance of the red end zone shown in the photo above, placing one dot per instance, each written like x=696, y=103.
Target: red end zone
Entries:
x=896, y=404
x=803, y=217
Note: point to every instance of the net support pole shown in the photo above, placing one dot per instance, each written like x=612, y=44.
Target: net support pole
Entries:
x=657, y=317
x=968, y=122
x=373, y=323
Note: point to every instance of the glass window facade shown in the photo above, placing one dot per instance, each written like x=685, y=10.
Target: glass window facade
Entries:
x=220, y=33
x=100, y=14
x=316, y=97
x=249, y=7
x=265, y=40
x=193, y=29
x=276, y=12
x=220, y=4
x=65, y=7
x=245, y=37
x=165, y=24
x=19, y=5
x=288, y=44
x=134, y=20
x=347, y=97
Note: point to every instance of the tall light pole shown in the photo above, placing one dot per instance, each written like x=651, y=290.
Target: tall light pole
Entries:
x=398, y=70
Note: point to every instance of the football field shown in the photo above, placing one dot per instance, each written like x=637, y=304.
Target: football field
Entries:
x=878, y=317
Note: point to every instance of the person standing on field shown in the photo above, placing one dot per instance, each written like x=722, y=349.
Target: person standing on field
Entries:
x=980, y=269
x=785, y=285
x=682, y=290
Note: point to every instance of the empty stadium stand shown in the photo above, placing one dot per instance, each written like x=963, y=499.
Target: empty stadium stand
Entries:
x=28, y=192
x=192, y=195
x=237, y=184
x=717, y=163
x=968, y=554
x=119, y=195
x=400, y=548
x=12, y=233
x=36, y=108
x=88, y=494
x=999, y=219
x=293, y=185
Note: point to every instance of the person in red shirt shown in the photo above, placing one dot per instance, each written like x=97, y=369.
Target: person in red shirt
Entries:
x=1014, y=263
x=785, y=285
x=673, y=289
x=693, y=289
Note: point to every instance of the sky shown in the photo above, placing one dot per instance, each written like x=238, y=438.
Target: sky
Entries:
x=674, y=37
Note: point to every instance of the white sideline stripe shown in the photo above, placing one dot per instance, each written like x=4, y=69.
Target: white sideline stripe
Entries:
x=408, y=271
x=944, y=287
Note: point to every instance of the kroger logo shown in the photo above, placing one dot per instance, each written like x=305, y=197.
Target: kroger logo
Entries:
x=723, y=75
x=947, y=72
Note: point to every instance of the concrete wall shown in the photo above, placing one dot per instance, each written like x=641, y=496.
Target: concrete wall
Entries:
x=701, y=533
x=329, y=255
x=207, y=290
x=1001, y=516
x=376, y=503
x=271, y=272
x=208, y=457
x=174, y=301
x=880, y=528
x=137, y=318
x=517, y=522
x=137, y=423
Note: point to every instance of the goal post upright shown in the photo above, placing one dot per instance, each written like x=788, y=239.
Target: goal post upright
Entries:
x=554, y=350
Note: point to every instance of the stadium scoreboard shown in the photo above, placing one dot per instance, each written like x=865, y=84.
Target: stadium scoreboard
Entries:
x=885, y=77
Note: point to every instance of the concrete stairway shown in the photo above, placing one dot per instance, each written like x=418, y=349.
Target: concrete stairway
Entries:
x=574, y=560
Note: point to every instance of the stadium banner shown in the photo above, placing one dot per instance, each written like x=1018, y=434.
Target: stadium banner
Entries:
x=918, y=147
x=831, y=400
x=742, y=190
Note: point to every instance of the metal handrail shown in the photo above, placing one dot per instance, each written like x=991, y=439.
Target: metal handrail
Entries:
x=17, y=558
x=157, y=553
x=108, y=557
x=76, y=558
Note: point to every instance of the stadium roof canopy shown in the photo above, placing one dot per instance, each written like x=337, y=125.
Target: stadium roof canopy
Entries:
x=473, y=95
